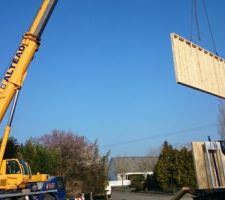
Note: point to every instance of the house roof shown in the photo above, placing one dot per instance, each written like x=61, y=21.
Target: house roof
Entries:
x=132, y=164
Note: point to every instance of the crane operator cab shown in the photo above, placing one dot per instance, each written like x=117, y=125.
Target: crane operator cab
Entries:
x=17, y=174
x=12, y=167
x=14, y=174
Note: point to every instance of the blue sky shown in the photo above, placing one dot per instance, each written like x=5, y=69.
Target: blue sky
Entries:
x=105, y=70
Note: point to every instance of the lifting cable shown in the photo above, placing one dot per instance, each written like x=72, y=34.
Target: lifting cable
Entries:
x=194, y=18
x=195, y=22
x=210, y=29
x=192, y=10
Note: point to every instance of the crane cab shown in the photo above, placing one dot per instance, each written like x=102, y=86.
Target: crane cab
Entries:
x=14, y=174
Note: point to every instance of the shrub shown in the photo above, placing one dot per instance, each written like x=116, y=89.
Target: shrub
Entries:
x=137, y=182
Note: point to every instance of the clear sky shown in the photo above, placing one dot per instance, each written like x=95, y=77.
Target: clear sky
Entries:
x=105, y=70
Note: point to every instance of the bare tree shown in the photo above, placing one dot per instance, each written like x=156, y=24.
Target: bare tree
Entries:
x=147, y=164
x=154, y=151
x=221, y=119
x=79, y=162
x=120, y=168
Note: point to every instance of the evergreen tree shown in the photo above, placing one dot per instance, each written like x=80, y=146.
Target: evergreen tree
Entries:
x=174, y=168
x=164, y=167
x=188, y=172
x=12, y=148
x=39, y=157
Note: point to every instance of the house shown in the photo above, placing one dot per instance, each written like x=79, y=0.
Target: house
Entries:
x=120, y=168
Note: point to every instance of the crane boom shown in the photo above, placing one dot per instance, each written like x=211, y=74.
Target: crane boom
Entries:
x=9, y=90
x=15, y=75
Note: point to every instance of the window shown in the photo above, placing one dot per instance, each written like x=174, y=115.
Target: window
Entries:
x=12, y=167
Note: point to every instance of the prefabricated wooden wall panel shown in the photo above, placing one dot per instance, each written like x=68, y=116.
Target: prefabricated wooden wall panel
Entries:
x=199, y=163
x=198, y=68
x=203, y=176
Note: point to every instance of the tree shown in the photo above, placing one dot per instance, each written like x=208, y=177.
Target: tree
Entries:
x=12, y=148
x=120, y=168
x=79, y=161
x=221, y=119
x=39, y=157
x=164, y=167
x=147, y=165
x=185, y=173
x=175, y=168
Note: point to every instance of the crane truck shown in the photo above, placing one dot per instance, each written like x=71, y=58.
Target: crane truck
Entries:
x=16, y=178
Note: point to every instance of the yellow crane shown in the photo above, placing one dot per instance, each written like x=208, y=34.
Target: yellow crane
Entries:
x=15, y=173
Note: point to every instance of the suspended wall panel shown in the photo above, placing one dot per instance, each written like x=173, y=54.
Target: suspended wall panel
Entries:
x=198, y=68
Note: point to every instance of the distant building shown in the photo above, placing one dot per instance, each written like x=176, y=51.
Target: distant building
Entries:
x=121, y=167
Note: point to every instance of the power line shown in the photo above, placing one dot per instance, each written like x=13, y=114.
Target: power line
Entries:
x=153, y=137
